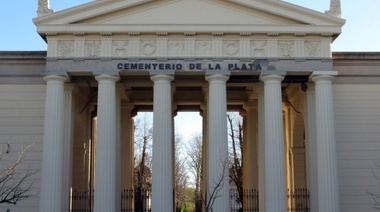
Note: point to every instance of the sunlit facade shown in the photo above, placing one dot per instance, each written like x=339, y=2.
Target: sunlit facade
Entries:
x=310, y=116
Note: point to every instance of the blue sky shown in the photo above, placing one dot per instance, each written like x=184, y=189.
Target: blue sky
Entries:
x=361, y=32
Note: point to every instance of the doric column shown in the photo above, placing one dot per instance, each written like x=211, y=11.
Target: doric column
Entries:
x=51, y=198
x=127, y=145
x=311, y=148
x=250, y=162
x=127, y=149
x=328, y=193
x=275, y=186
x=162, y=179
x=261, y=145
x=105, y=198
x=68, y=146
x=217, y=152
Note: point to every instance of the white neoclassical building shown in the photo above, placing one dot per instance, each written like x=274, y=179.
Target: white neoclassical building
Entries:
x=311, y=117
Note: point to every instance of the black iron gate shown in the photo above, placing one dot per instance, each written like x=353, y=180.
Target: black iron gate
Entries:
x=140, y=201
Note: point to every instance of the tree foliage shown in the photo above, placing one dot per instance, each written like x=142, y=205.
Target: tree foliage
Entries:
x=15, y=183
x=194, y=163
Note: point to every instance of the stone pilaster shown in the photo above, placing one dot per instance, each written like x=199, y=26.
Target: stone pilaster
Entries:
x=162, y=185
x=328, y=193
x=217, y=165
x=105, y=198
x=51, y=198
x=311, y=148
x=275, y=185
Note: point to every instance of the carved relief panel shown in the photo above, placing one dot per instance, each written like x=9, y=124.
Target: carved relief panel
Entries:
x=286, y=49
x=312, y=49
x=203, y=48
x=120, y=48
x=65, y=48
x=92, y=48
x=148, y=48
x=259, y=48
x=176, y=48
x=231, y=48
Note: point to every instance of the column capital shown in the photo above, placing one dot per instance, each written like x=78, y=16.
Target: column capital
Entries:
x=217, y=77
x=272, y=77
x=161, y=78
x=55, y=79
x=106, y=77
x=319, y=76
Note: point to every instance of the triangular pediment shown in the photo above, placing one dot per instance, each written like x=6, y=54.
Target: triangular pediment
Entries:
x=198, y=16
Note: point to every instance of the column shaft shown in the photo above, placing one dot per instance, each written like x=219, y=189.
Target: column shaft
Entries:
x=105, y=198
x=311, y=148
x=162, y=176
x=250, y=162
x=68, y=145
x=328, y=193
x=261, y=144
x=127, y=146
x=217, y=152
x=275, y=186
x=51, y=198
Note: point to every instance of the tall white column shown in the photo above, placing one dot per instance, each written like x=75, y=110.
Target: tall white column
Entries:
x=250, y=162
x=51, y=198
x=68, y=146
x=105, y=198
x=311, y=148
x=217, y=152
x=328, y=191
x=162, y=176
x=127, y=146
x=275, y=185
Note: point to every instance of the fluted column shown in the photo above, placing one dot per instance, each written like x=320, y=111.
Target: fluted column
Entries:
x=51, y=198
x=328, y=193
x=311, y=148
x=68, y=146
x=105, y=198
x=162, y=178
x=127, y=145
x=261, y=145
x=217, y=152
x=251, y=159
x=275, y=185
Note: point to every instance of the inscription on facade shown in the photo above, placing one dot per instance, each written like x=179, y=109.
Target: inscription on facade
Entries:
x=184, y=65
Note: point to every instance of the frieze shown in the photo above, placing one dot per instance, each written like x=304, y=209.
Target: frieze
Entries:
x=187, y=47
x=203, y=48
x=231, y=48
x=312, y=48
x=148, y=48
x=65, y=48
x=92, y=48
x=120, y=48
x=286, y=48
x=176, y=48
x=259, y=48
